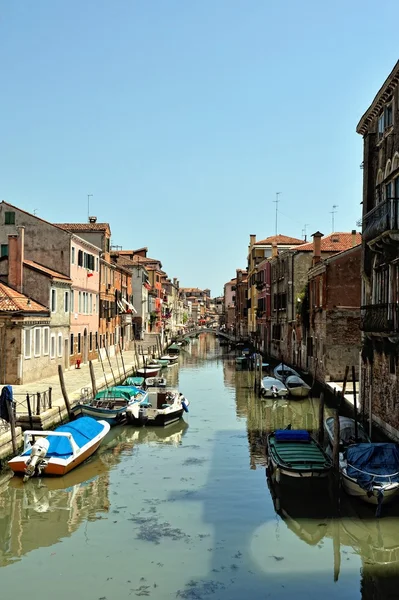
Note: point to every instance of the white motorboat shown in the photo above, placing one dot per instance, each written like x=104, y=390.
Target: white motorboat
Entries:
x=171, y=358
x=58, y=452
x=297, y=387
x=370, y=471
x=272, y=388
x=162, y=408
x=155, y=382
x=283, y=371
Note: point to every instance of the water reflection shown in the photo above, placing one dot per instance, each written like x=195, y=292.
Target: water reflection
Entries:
x=42, y=511
x=193, y=505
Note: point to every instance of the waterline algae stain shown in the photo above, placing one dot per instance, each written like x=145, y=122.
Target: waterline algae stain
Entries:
x=187, y=512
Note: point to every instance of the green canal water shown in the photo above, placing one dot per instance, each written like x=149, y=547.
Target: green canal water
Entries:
x=187, y=512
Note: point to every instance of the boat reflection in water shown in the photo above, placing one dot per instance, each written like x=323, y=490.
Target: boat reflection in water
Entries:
x=42, y=511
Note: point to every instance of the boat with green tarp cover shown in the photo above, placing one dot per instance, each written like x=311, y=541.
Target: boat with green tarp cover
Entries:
x=294, y=453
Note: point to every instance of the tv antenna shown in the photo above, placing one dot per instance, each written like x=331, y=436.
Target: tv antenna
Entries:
x=276, y=201
x=304, y=230
x=335, y=206
x=88, y=205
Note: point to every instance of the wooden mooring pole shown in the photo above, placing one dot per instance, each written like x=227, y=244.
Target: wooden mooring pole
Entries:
x=64, y=392
x=110, y=366
x=354, y=401
x=11, y=418
x=336, y=442
x=321, y=419
x=345, y=380
x=93, y=378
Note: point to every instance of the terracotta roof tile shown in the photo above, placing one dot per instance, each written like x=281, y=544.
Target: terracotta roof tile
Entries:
x=279, y=239
x=335, y=242
x=13, y=301
x=75, y=227
x=54, y=274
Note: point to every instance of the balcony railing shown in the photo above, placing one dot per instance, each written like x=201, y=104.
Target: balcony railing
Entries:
x=383, y=217
x=380, y=318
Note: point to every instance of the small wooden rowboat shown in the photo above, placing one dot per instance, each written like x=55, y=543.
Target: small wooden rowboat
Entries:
x=294, y=453
x=58, y=452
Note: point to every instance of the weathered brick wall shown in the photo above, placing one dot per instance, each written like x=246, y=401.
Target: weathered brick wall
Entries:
x=385, y=401
x=343, y=280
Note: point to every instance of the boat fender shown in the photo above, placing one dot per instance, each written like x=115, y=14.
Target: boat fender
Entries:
x=184, y=405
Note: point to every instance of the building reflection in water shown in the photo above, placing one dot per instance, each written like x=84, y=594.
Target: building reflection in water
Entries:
x=44, y=510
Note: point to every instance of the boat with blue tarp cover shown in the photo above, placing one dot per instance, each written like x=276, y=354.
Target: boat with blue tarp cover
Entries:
x=293, y=453
x=111, y=404
x=370, y=471
x=58, y=452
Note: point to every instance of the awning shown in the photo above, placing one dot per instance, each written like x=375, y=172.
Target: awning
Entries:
x=129, y=305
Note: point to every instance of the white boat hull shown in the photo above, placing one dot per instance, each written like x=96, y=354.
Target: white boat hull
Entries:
x=352, y=488
x=299, y=392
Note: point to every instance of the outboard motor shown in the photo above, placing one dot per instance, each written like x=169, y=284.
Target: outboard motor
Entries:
x=36, y=462
x=274, y=391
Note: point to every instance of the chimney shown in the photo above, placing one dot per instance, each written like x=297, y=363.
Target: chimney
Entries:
x=252, y=239
x=317, y=247
x=175, y=281
x=274, y=250
x=16, y=259
x=92, y=219
x=354, y=241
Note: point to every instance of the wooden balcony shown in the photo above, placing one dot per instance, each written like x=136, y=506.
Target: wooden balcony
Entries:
x=382, y=218
x=380, y=318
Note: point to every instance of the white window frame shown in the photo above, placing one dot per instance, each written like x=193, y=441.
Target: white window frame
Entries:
x=72, y=301
x=46, y=351
x=53, y=346
x=91, y=304
x=59, y=345
x=27, y=344
x=53, y=294
x=80, y=303
x=37, y=338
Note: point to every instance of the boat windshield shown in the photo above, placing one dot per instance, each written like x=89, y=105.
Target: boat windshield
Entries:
x=269, y=381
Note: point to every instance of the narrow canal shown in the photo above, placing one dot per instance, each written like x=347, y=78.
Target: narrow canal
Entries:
x=187, y=512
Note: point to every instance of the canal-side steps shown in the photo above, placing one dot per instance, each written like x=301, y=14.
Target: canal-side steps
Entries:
x=76, y=381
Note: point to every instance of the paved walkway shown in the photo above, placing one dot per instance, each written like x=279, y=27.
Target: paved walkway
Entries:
x=77, y=380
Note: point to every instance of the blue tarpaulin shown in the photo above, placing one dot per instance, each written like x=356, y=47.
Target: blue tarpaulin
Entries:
x=82, y=430
x=372, y=463
x=292, y=435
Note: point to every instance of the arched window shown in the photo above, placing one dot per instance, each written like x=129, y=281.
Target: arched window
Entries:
x=388, y=169
x=395, y=162
x=380, y=177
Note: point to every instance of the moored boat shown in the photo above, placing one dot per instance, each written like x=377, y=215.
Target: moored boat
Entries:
x=295, y=454
x=148, y=371
x=370, y=471
x=58, y=452
x=297, y=387
x=347, y=432
x=155, y=382
x=135, y=381
x=162, y=407
x=283, y=371
x=272, y=388
x=172, y=359
x=110, y=404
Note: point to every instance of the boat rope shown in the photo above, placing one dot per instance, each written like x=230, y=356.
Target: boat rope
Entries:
x=373, y=475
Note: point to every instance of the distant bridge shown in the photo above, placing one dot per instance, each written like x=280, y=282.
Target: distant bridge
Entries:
x=217, y=332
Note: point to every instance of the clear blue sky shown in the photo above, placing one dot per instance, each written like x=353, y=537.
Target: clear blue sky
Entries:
x=183, y=118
